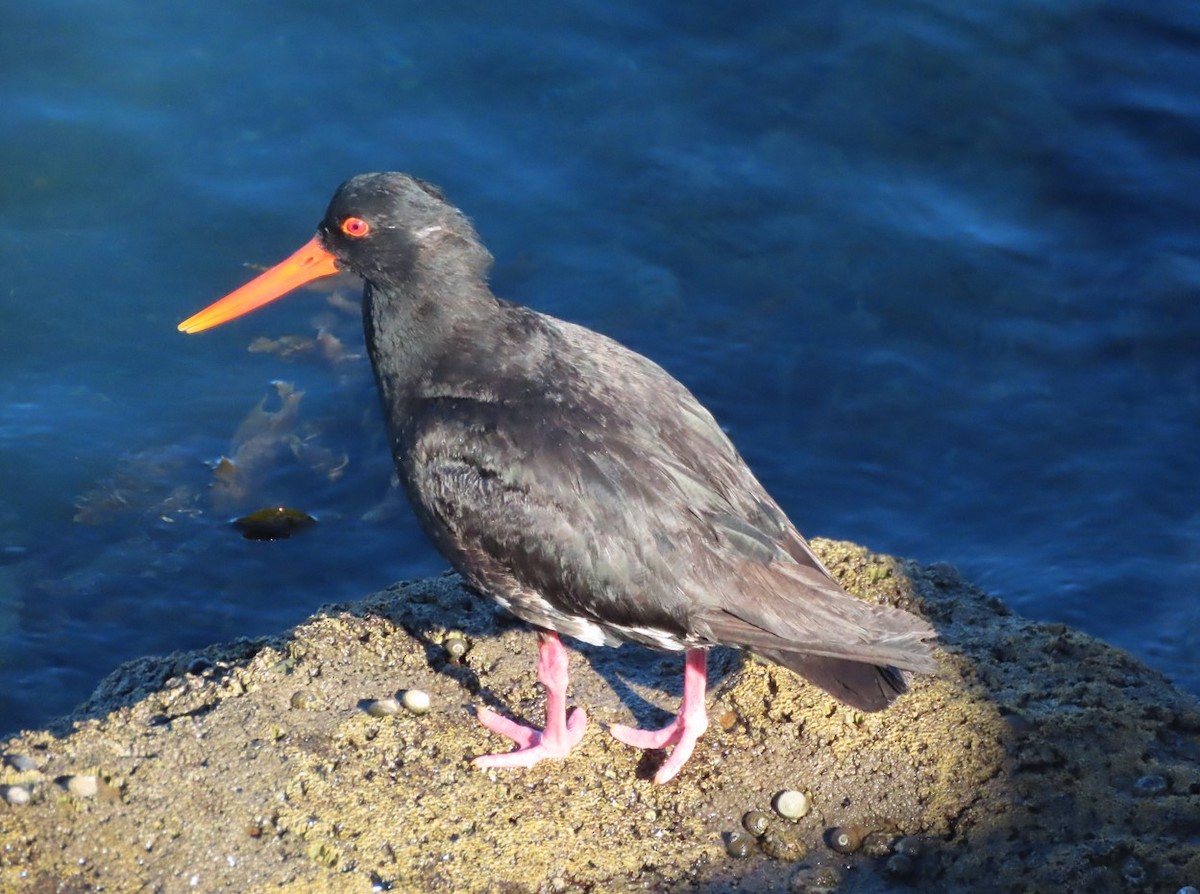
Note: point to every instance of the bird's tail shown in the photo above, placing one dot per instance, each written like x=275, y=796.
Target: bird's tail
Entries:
x=799, y=617
x=867, y=687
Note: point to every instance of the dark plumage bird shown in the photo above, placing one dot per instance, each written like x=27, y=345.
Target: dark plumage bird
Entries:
x=576, y=482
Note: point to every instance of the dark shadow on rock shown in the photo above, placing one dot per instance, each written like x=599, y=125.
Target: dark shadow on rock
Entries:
x=429, y=620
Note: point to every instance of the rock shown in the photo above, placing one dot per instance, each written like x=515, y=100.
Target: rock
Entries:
x=383, y=707
x=1014, y=767
x=1150, y=786
x=417, y=701
x=16, y=795
x=738, y=843
x=756, y=822
x=899, y=867
x=783, y=843
x=199, y=665
x=845, y=839
x=791, y=804
x=456, y=648
x=20, y=762
x=273, y=523
x=83, y=786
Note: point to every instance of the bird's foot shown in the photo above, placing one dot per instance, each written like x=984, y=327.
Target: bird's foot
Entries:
x=648, y=738
x=682, y=732
x=533, y=745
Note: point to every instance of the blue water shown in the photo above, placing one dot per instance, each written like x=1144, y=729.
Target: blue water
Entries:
x=934, y=265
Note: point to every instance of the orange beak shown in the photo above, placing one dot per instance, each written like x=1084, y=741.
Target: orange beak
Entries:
x=311, y=262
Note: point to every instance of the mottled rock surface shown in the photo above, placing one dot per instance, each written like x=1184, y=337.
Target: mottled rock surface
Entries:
x=1037, y=759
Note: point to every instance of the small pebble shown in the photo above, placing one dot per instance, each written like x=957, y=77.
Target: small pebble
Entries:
x=417, y=700
x=1133, y=872
x=1150, y=786
x=456, y=647
x=383, y=707
x=22, y=763
x=85, y=786
x=303, y=701
x=782, y=844
x=845, y=839
x=737, y=843
x=756, y=822
x=17, y=795
x=792, y=804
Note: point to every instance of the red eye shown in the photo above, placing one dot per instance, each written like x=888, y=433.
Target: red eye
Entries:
x=355, y=227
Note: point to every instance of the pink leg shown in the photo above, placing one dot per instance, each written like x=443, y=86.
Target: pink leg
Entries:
x=688, y=725
x=561, y=733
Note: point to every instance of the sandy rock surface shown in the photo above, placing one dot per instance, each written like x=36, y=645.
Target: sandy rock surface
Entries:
x=1037, y=759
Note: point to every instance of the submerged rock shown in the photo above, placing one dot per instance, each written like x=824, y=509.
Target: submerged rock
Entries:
x=273, y=523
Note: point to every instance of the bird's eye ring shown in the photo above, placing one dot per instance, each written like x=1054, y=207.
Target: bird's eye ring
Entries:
x=355, y=227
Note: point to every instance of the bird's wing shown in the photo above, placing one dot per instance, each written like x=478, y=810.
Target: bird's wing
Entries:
x=547, y=519
x=616, y=506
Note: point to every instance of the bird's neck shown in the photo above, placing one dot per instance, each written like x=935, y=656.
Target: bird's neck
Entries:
x=412, y=329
